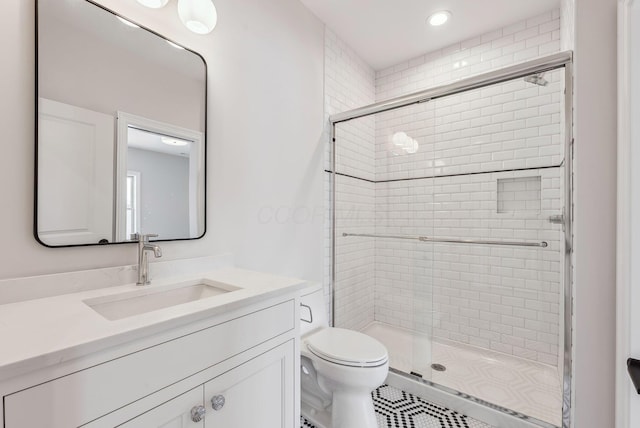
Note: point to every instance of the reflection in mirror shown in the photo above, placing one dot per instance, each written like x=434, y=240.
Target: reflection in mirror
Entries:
x=120, y=132
x=159, y=171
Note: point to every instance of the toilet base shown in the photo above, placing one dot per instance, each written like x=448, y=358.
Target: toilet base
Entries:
x=319, y=418
x=347, y=411
x=353, y=409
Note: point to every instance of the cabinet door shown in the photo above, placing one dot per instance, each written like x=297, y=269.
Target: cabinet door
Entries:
x=258, y=393
x=175, y=413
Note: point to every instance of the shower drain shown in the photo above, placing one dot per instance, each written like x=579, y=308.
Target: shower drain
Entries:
x=438, y=367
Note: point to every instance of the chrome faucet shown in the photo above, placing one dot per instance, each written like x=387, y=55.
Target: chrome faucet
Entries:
x=143, y=260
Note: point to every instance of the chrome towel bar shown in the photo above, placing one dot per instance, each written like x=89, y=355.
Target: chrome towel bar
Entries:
x=542, y=244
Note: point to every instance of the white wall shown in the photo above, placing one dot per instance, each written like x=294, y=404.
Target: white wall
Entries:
x=595, y=212
x=91, y=73
x=265, y=122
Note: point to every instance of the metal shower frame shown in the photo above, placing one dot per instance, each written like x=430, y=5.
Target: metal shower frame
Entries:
x=539, y=65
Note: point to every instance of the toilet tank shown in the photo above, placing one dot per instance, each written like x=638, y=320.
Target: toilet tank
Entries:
x=313, y=309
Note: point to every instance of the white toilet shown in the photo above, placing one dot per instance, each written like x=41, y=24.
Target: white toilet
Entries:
x=339, y=368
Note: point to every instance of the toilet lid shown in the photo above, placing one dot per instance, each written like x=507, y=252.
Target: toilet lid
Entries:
x=347, y=347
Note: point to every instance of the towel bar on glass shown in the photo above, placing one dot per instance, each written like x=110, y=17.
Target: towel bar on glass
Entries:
x=542, y=244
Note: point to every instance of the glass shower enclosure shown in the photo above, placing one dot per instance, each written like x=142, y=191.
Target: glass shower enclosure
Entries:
x=452, y=235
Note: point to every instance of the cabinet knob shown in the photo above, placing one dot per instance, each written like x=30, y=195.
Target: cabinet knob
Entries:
x=197, y=413
x=217, y=402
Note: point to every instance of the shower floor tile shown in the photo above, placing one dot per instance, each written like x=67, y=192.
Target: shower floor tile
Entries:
x=526, y=387
x=399, y=409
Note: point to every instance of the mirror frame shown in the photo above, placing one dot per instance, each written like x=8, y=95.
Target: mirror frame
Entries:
x=203, y=149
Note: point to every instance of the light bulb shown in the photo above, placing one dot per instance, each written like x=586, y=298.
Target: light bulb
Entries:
x=154, y=4
x=174, y=141
x=199, y=16
x=439, y=18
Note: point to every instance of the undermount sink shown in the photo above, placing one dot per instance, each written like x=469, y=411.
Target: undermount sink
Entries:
x=152, y=298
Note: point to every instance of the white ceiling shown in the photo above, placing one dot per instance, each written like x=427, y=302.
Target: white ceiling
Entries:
x=146, y=140
x=387, y=32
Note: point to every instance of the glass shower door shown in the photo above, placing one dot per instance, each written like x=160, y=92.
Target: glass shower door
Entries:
x=498, y=278
x=449, y=237
x=383, y=204
x=404, y=213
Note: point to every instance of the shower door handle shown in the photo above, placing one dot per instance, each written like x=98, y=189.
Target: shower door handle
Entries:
x=556, y=219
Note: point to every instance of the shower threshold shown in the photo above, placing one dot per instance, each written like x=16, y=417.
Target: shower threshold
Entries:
x=525, y=387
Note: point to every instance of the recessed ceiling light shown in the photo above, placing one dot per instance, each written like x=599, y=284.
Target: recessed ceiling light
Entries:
x=174, y=141
x=438, y=18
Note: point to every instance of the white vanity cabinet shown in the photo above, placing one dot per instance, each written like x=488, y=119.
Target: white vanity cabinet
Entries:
x=247, y=360
x=254, y=394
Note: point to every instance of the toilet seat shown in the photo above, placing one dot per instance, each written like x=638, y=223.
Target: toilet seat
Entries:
x=347, y=348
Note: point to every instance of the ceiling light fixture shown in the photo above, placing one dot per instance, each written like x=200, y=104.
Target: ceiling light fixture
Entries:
x=199, y=16
x=174, y=141
x=438, y=18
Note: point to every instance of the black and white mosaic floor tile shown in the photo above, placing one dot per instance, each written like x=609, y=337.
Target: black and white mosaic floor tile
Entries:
x=399, y=409
x=305, y=423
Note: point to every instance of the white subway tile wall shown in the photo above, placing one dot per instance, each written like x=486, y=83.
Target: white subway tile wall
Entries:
x=502, y=298
x=567, y=8
x=522, y=41
x=350, y=83
x=511, y=125
x=355, y=257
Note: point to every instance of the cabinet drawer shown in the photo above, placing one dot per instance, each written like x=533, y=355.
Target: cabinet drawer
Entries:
x=175, y=413
x=83, y=396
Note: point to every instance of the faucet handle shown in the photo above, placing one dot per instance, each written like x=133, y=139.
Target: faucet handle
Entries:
x=143, y=238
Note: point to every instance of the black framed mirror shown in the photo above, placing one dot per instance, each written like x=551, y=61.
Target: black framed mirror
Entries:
x=120, y=130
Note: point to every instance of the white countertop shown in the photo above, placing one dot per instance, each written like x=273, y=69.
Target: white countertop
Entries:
x=42, y=332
